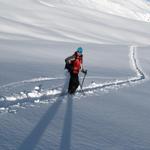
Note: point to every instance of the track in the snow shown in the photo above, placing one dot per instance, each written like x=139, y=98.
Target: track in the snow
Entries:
x=33, y=96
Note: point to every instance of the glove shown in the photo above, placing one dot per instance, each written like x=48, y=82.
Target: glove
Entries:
x=84, y=71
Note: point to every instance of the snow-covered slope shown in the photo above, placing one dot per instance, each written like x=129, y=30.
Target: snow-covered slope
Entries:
x=73, y=21
x=138, y=9
x=36, y=36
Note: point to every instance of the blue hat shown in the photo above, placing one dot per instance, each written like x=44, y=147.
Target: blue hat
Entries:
x=80, y=50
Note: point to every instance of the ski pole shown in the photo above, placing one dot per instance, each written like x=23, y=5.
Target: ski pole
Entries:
x=81, y=85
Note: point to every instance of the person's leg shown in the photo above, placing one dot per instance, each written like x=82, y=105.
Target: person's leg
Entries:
x=70, y=83
x=74, y=83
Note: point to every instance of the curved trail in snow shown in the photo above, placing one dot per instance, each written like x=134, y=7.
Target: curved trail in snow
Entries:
x=39, y=79
x=28, y=81
x=43, y=95
x=140, y=75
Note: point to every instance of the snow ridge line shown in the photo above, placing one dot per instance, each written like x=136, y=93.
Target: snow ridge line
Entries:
x=33, y=96
x=46, y=4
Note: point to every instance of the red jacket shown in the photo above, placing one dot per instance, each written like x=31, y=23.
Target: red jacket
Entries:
x=77, y=63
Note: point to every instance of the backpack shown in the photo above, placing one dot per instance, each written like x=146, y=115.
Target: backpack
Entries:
x=68, y=67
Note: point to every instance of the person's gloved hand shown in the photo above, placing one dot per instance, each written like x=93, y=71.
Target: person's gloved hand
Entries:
x=84, y=71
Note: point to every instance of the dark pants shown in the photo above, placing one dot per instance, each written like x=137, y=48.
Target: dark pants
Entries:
x=73, y=83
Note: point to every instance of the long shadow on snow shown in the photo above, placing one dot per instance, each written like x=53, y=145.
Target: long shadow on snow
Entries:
x=34, y=137
x=67, y=127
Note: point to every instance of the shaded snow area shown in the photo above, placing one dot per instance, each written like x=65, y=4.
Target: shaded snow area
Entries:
x=112, y=110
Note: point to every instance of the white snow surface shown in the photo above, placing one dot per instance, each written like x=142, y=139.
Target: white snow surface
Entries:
x=112, y=113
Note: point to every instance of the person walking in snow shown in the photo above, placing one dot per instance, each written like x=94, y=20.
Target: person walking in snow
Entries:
x=74, y=64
